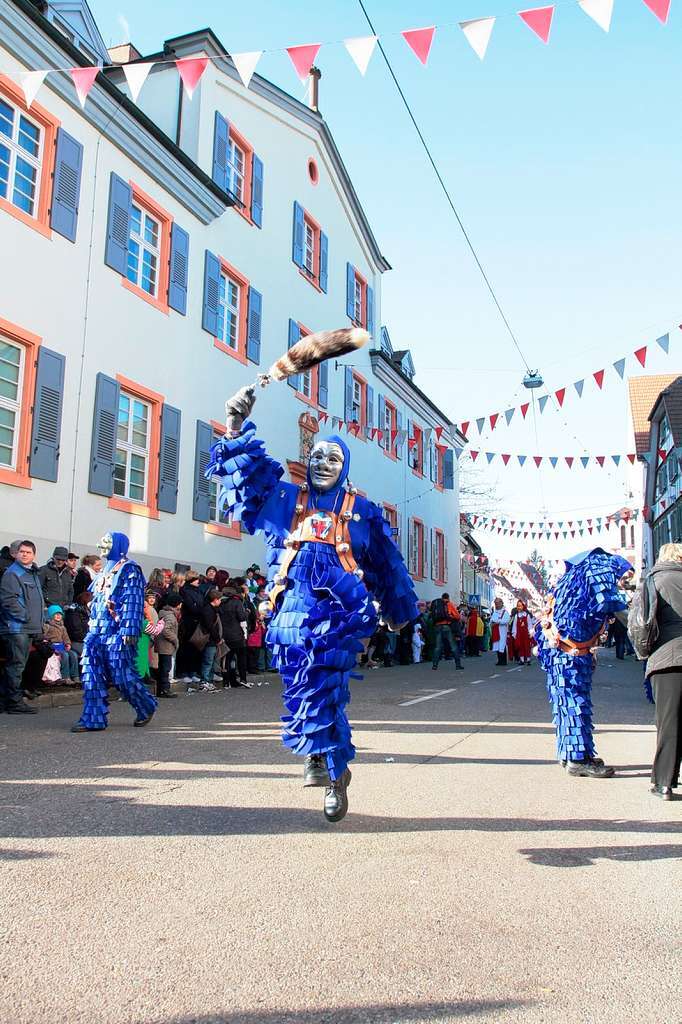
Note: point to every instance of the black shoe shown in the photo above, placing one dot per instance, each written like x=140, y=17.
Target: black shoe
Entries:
x=593, y=768
x=83, y=728
x=336, y=798
x=460, y=668
x=166, y=694
x=21, y=709
x=315, y=771
x=435, y=668
x=662, y=792
x=140, y=722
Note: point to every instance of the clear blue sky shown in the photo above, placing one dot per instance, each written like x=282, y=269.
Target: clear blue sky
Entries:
x=564, y=161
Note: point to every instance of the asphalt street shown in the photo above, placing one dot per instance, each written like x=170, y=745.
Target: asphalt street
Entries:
x=180, y=874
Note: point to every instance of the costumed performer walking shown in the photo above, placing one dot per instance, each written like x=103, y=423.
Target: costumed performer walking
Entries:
x=499, y=626
x=578, y=609
x=521, y=628
x=110, y=647
x=330, y=552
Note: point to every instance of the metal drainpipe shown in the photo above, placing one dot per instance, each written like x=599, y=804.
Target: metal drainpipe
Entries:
x=315, y=75
x=178, y=127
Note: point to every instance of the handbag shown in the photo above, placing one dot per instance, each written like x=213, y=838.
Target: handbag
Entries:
x=199, y=638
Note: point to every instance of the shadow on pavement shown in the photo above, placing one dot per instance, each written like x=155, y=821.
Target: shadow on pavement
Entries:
x=584, y=856
x=26, y=854
x=411, y=1013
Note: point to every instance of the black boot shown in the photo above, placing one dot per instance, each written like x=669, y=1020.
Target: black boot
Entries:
x=593, y=768
x=662, y=792
x=315, y=771
x=336, y=798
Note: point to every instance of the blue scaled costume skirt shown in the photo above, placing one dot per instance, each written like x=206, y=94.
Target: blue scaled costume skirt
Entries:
x=316, y=635
x=569, y=685
x=107, y=660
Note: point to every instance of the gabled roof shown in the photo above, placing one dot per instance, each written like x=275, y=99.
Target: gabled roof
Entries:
x=403, y=357
x=77, y=16
x=671, y=397
x=644, y=392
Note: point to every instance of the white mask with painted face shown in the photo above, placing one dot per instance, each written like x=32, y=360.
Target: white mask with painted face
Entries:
x=326, y=465
x=105, y=545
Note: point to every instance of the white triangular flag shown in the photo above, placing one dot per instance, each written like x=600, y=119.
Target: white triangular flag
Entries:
x=245, y=64
x=361, y=50
x=136, y=76
x=30, y=82
x=599, y=10
x=478, y=33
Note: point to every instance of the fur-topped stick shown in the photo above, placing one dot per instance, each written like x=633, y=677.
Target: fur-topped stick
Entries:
x=312, y=350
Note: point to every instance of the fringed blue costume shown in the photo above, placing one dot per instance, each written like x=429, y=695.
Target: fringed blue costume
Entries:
x=116, y=612
x=329, y=555
x=583, y=598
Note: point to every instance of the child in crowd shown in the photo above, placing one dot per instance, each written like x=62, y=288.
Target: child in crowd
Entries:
x=167, y=642
x=417, y=643
x=254, y=647
x=55, y=633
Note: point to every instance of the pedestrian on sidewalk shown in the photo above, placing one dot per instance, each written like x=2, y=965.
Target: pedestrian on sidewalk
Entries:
x=89, y=567
x=210, y=622
x=76, y=619
x=443, y=614
x=499, y=625
x=233, y=617
x=56, y=579
x=167, y=642
x=56, y=634
x=417, y=643
x=22, y=610
x=664, y=671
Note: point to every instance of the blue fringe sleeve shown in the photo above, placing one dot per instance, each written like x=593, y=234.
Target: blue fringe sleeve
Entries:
x=386, y=575
x=247, y=474
x=128, y=598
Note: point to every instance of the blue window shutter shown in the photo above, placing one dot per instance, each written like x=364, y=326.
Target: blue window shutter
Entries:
x=221, y=137
x=399, y=427
x=257, y=191
x=350, y=290
x=323, y=385
x=381, y=417
x=348, y=394
x=432, y=462
x=43, y=462
x=179, y=269
x=103, y=450
x=294, y=336
x=169, y=459
x=370, y=310
x=449, y=469
x=209, y=320
x=298, y=233
x=66, y=187
x=118, y=224
x=369, y=407
x=202, y=457
x=324, y=261
x=253, y=330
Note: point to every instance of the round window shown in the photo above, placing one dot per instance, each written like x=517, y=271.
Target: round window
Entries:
x=313, y=172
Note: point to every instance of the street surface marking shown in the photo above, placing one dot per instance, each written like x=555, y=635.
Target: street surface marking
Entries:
x=418, y=700
x=517, y=669
x=475, y=681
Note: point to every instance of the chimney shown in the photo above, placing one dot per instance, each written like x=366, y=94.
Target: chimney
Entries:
x=124, y=53
x=315, y=76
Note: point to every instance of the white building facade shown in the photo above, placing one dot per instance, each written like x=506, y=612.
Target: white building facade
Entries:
x=161, y=255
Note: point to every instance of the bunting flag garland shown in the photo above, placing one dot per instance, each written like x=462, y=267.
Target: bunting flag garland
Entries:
x=246, y=64
x=560, y=395
x=579, y=385
x=599, y=10
x=361, y=50
x=30, y=82
x=596, y=460
x=303, y=58
x=599, y=378
x=640, y=355
x=136, y=76
x=619, y=367
x=661, y=9
x=539, y=20
x=493, y=420
x=84, y=79
x=419, y=41
x=551, y=528
x=664, y=342
x=477, y=33
x=509, y=414
x=190, y=70
x=542, y=402
x=524, y=409
x=480, y=423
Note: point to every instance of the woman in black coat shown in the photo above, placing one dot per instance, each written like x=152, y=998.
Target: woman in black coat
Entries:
x=232, y=615
x=188, y=660
x=664, y=671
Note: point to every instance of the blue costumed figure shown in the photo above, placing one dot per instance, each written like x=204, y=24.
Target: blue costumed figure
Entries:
x=330, y=553
x=110, y=647
x=587, y=593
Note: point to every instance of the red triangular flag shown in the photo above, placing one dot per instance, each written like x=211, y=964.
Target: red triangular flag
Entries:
x=473, y=454
x=599, y=377
x=632, y=456
x=323, y=417
x=589, y=529
x=419, y=41
x=556, y=536
x=537, y=459
x=303, y=58
x=464, y=427
x=569, y=460
x=438, y=431
x=524, y=409
x=572, y=533
x=506, y=458
x=539, y=20
x=560, y=395
x=190, y=70
x=493, y=420
x=570, y=524
x=662, y=454
x=661, y=8
x=525, y=535
x=600, y=460
x=493, y=521
x=640, y=355
x=84, y=79
x=394, y=435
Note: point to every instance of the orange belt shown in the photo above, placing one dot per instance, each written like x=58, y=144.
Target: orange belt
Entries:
x=574, y=647
x=312, y=526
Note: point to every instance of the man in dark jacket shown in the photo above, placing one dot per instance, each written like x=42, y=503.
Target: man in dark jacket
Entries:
x=56, y=579
x=232, y=615
x=22, y=610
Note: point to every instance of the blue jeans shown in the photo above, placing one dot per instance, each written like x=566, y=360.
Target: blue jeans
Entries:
x=207, y=660
x=443, y=635
x=70, y=665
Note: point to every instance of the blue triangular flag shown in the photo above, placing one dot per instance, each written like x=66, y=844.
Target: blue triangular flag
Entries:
x=480, y=423
x=565, y=534
x=508, y=415
x=560, y=525
x=553, y=459
x=664, y=342
x=579, y=385
x=522, y=459
x=584, y=459
x=599, y=524
x=542, y=402
x=458, y=452
x=619, y=367
x=646, y=456
x=490, y=456
x=616, y=459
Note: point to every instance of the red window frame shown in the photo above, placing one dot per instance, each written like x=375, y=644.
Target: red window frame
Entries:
x=420, y=534
x=314, y=278
x=237, y=137
x=359, y=379
x=150, y=509
x=389, y=444
x=439, y=537
x=363, y=285
x=418, y=436
x=440, y=467
x=30, y=343
x=240, y=352
x=229, y=530
x=313, y=399
x=391, y=517
x=165, y=219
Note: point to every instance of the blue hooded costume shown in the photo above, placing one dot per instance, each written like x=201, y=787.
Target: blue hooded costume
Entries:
x=582, y=600
x=116, y=612
x=322, y=587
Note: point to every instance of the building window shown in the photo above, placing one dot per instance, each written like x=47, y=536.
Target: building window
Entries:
x=415, y=455
x=358, y=403
x=440, y=466
x=236, y=169
x=308, y=382
x=132, y=448
x=391, y=517
x=313, y=172
x=416, y=548
x=219, y=524
x=11, y=391
x=439, y=557
x=358, y=301
x=144, y=251
x=21, y=141
x=229, y=305
x=632, y=536
x=389, y=425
